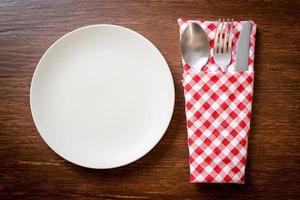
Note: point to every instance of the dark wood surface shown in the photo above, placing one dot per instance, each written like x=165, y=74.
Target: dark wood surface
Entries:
x=28, y=168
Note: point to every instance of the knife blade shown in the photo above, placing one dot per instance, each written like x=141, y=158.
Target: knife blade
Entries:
x=242, y=54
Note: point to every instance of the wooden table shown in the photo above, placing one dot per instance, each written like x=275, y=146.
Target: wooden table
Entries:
x=28, y=168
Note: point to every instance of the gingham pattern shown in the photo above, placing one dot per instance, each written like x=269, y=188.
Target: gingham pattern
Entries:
x=218, y=112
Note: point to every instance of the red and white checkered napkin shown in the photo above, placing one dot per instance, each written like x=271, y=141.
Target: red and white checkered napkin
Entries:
x=218, y=112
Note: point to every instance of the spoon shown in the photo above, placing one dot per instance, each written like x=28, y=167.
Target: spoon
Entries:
x=194, y=46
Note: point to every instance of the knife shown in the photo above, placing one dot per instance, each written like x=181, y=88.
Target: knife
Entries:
x=242, y=54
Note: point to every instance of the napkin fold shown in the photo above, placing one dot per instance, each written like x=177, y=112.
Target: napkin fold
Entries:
x=218, y=113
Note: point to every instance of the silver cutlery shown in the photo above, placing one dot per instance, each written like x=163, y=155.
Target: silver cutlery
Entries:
x=194, y=46
x=223, y=43
x=242, y=54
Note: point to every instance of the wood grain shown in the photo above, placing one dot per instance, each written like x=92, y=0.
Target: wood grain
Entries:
x=30, y=170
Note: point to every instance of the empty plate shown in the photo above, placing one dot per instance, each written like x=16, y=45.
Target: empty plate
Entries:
x=102, y=96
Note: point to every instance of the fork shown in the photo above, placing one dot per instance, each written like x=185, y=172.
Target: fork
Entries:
x=223, y=43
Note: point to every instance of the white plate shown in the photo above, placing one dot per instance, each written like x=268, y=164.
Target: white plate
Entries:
x=102, y=96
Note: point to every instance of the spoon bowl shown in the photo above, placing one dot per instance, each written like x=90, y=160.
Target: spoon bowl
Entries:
x=194, y=46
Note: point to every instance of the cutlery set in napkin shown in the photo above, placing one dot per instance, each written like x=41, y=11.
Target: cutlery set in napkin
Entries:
x=218, y=111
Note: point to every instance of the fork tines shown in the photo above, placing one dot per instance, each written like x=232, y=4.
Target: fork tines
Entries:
x=223, y=36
